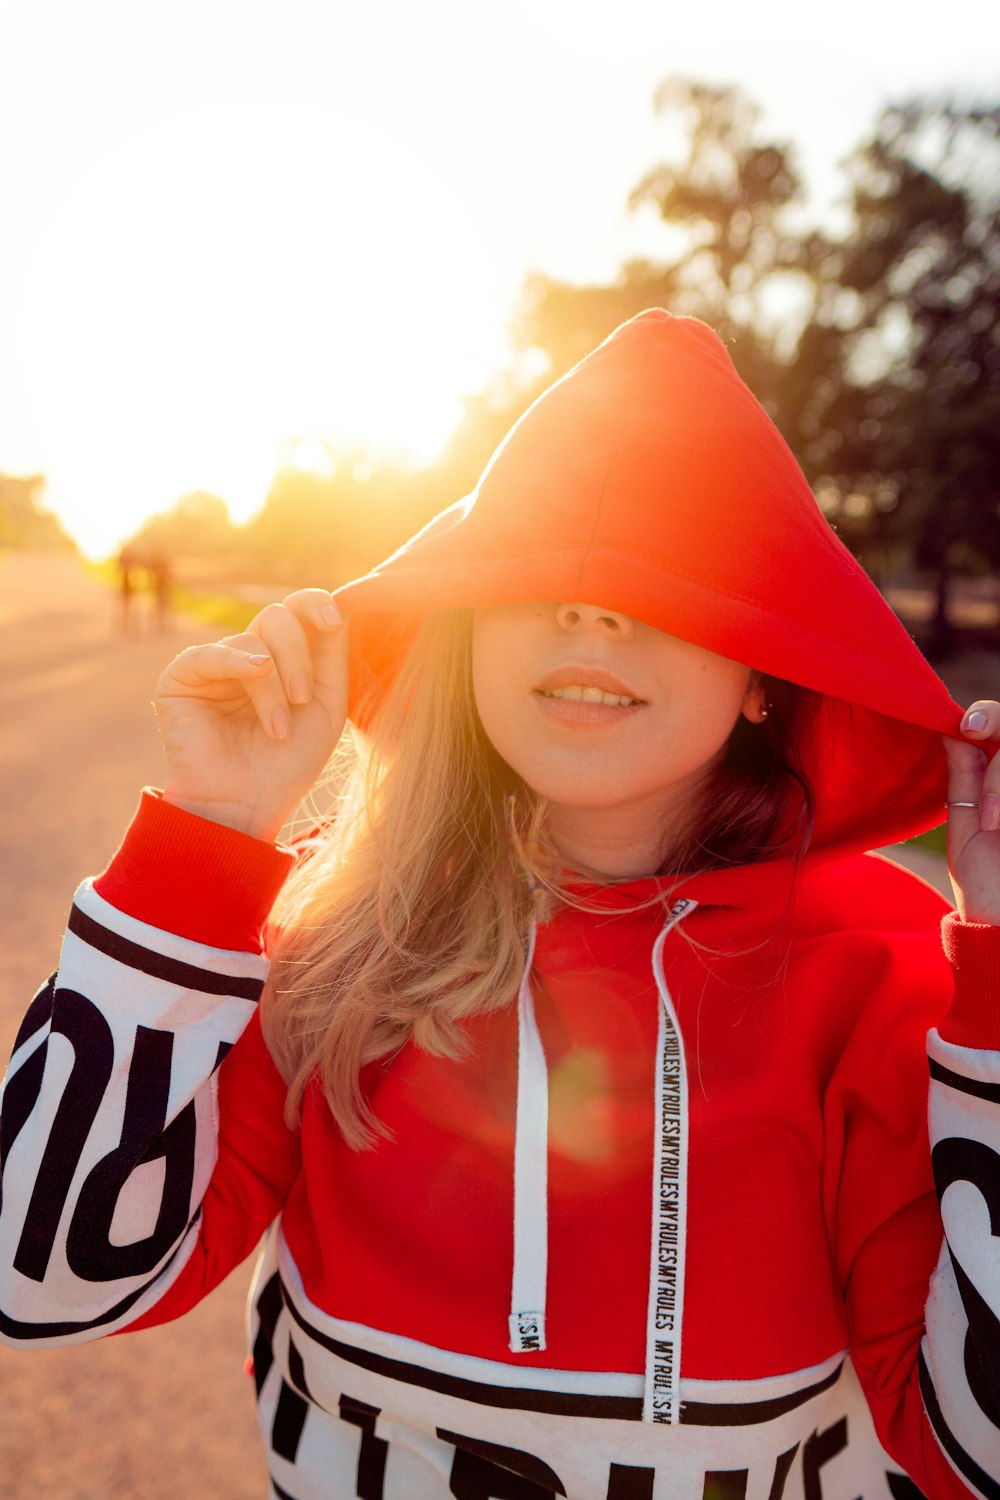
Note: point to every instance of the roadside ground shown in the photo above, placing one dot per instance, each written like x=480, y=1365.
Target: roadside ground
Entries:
x=168, y=1413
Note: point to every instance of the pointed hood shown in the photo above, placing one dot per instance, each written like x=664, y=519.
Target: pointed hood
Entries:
x=650, y=480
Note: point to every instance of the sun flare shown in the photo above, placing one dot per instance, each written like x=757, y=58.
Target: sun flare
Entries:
x=235, y=278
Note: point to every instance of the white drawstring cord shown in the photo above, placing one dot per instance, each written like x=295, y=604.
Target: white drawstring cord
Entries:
x=661, y=1390
x=665, y=1310
x=531, y=1173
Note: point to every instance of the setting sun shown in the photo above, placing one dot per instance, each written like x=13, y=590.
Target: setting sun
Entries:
x=234, y=279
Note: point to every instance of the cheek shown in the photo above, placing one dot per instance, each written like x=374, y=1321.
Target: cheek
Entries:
x=504, y=705
x=485, y=679
x=502, y=642
x=701, y=703
x=493, y=689
x=708, y=718
x=708, y=691
x=698, y=744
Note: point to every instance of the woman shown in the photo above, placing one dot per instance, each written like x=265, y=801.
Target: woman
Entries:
x=587, y=1105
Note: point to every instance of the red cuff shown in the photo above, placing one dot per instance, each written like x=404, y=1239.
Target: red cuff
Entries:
x=195, y=878
x=973, y=950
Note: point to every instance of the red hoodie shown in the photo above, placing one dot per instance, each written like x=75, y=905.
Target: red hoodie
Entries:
x=670, y=1229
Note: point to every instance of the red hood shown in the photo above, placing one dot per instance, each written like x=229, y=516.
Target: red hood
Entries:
x=650, y=480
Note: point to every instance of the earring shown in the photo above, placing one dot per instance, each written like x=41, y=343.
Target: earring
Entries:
x=765, y=710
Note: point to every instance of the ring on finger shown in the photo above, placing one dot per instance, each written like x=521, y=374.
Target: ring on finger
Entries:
x=961, y=804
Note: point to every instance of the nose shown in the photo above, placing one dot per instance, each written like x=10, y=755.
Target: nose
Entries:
x=586, y=617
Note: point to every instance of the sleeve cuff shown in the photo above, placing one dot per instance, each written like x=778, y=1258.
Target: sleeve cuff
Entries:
x=973, y=950
x=195, y=878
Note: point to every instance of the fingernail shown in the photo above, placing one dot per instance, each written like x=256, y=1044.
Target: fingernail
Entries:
x=989, y=814
x=298, y=689
x=975, y=721
x=257, y=661
x=331, y=615
x=281, y=724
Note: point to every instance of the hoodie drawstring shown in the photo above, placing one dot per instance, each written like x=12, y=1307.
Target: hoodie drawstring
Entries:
x=661, y=1400
x=661, y=1392
x=531, y=1176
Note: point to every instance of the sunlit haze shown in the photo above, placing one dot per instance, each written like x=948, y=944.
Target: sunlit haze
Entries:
x=247, y=231
x=236, y=277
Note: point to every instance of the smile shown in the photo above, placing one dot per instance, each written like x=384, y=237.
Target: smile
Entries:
x=576, y=693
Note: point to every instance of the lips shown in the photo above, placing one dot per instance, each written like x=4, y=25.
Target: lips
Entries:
x=570, y=683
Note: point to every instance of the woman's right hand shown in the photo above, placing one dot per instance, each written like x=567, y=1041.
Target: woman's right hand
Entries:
x=249, y=722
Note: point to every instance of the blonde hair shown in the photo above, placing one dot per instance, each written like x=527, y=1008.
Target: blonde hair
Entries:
x=412, y=913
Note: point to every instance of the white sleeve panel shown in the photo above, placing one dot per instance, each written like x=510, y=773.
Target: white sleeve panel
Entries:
x=960, y=1356
x=108, y=1129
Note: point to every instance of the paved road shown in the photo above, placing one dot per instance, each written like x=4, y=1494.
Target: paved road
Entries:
x=165, y=1414
x=169, y=1413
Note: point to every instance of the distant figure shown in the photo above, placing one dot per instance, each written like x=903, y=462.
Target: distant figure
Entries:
x=158, y=566
x=127, y=565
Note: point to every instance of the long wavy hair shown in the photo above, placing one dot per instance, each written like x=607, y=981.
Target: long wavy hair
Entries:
x=411, y=912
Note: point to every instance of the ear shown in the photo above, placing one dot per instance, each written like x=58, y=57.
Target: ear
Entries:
x=755, y=705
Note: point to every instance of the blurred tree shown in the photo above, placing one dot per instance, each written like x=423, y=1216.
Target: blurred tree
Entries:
x=24, y=522
x=196, y=526
x=911, y=437
x=876, y=352
x=332, y=521
x=728, y=201
x=487, y=417
x=738, y=254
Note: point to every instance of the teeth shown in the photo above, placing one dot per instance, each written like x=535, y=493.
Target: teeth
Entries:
x=575, y=694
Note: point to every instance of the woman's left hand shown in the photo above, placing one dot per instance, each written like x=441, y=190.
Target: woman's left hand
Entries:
x=974, y=831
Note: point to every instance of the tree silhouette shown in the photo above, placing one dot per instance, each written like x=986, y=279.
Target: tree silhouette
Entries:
x=877, y=353
x=919, y=419
x=727, y=197
x=196, y=525
x=24, y=522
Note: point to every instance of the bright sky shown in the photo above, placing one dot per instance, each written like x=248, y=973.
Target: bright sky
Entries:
x=228, y=224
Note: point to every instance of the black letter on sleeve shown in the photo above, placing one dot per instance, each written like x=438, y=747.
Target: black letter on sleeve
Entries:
x=901, y=1488
x=726, y=1484
x=371, y=1458
x=782, y=1465
x=81, y=1023
x=625, y=1482
x=819, y=1450
x=960, y=1160
x=268, y=1310
x=289, y=1419
x=19, y=1099
x=489, y=1471
x=88, y=1246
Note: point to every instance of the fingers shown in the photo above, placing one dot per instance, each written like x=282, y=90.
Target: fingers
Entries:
x=275, y=662
x=294, y=634
x=971, y=778
x=981, y=719
x=311, y=607
x=289, y=630
x=202, y=667
x=966, y=765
